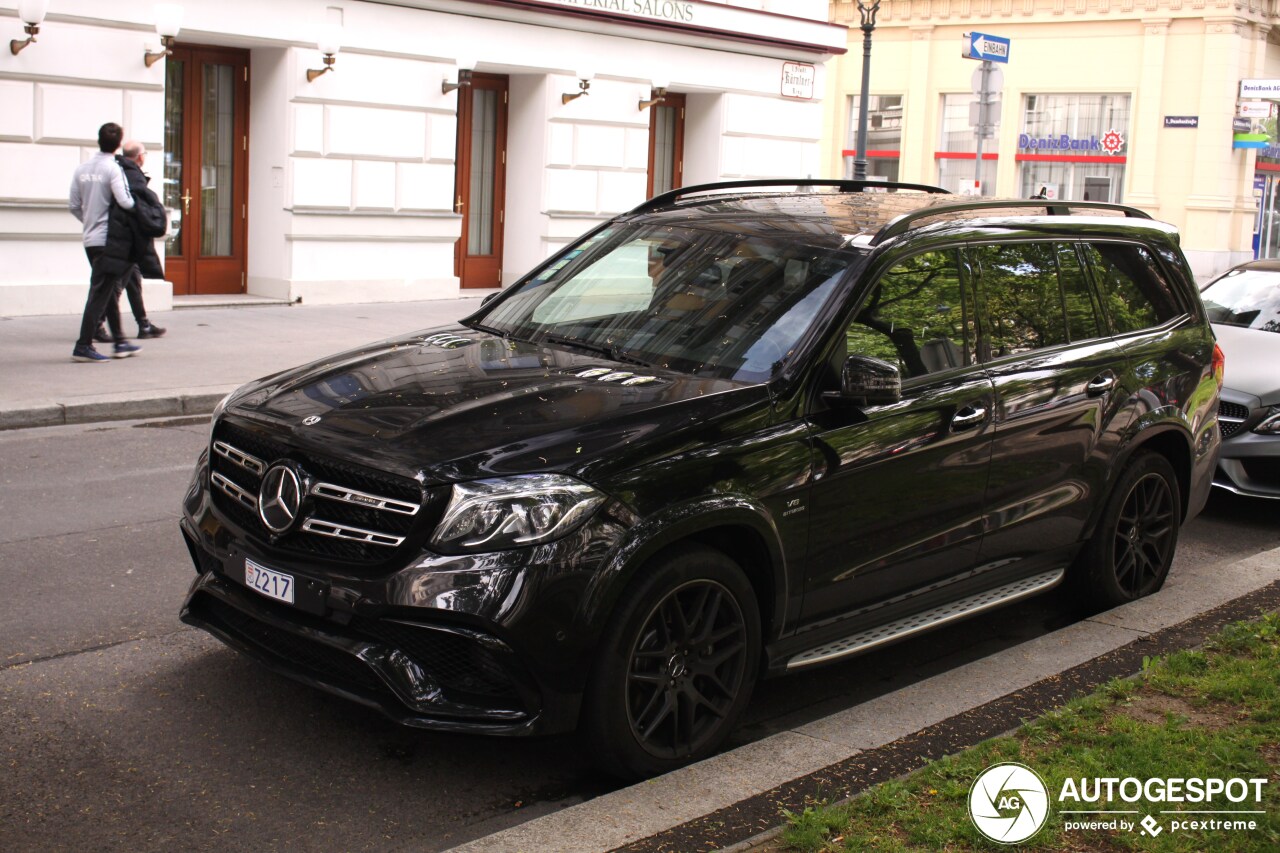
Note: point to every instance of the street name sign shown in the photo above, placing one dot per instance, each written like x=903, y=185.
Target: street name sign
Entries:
x=987, y=48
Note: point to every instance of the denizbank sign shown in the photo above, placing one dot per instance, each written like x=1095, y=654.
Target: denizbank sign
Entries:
x=1110, y=142
x=662, y=10
x=1260, y=88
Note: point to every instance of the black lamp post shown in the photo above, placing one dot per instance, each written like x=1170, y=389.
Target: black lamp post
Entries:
x=868, y=12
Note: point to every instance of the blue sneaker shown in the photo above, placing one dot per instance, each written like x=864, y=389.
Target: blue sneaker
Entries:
x=124, y=349
x=88, y=354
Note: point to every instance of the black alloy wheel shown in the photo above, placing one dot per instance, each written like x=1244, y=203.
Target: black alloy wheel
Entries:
x=1145, y=535
x=1133, y=545
x=687, y=667
x=677, y=664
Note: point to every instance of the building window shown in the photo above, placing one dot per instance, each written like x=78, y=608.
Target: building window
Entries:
x=884, y=136
x=957, y=152
x=1074, y=146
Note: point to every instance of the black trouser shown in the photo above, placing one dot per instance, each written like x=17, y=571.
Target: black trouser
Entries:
x=132, y=283
x=103, y=301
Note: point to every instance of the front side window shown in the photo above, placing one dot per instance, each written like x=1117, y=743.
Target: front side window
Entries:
x=705, y=302
x=915, y=317
x=1134, y=289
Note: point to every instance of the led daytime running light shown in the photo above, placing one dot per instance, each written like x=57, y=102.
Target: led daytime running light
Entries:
x=494, y=515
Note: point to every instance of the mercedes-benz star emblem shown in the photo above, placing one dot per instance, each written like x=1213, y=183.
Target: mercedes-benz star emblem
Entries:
x=279, y=498
x=311, y=420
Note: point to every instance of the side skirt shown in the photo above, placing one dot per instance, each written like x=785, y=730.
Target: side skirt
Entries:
x=927, y=619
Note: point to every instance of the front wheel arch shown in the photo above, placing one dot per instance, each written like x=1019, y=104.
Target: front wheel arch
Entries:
x=676, y=666
x=736, y=526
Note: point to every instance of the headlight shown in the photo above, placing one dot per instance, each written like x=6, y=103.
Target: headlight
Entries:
x=1271, y=423
x=492, y=515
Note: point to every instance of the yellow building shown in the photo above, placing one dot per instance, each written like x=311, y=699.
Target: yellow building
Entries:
x=1129, y=101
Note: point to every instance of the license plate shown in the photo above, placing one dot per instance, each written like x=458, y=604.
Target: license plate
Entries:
x=269, y=582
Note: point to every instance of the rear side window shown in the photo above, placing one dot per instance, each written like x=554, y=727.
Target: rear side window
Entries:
x=1035, y=295
x=1135, y=291
x=1083, y=322
x=915, y=317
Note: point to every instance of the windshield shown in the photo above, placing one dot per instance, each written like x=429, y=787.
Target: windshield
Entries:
x=1246, y=298
x=709, y=303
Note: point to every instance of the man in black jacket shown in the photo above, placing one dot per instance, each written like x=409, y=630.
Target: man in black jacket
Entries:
x=130, y=250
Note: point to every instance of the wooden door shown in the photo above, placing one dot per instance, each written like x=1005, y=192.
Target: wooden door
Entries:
x=206, y=169
x=666, y=145
x=480, y=188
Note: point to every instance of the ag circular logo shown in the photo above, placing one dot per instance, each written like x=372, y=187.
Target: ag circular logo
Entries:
x=1009, y=803
x=279, y=498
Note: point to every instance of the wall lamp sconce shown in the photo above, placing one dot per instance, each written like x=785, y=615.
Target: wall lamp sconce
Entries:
x=329, y=43
x=31, y=12
x=168, y=22
x=657, y=93
x=466, y=64
x=584, y=83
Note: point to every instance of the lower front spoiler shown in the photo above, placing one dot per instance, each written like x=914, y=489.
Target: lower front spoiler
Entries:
x=372, y=674
x=1263, y=481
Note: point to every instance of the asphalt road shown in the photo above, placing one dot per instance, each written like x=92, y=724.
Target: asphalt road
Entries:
x=121, y=729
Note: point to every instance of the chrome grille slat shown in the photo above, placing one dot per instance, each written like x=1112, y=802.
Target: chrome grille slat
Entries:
x=247, y=461
x=364, y=499
x=240, y=495
x=346, y=531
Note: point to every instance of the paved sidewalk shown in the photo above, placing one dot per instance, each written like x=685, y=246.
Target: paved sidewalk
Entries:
x=205, y=353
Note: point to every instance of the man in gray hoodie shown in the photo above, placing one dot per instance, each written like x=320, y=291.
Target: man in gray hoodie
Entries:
x=93, y=186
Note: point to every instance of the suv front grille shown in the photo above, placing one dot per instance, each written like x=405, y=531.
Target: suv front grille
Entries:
x=1231, y=416
x=350, y=514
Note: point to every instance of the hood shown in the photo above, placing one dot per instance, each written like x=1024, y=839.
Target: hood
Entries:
x=1252, y=355
x=453, y=404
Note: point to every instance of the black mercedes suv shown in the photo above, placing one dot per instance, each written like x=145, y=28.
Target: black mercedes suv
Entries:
x=738, y=431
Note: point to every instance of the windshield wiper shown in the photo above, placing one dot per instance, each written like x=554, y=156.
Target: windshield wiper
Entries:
x=608, y=350
x=481, y=327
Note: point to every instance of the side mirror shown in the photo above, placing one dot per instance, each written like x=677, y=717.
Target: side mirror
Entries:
x=866, y=381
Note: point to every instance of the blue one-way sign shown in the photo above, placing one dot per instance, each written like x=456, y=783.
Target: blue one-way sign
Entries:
x=985, y=47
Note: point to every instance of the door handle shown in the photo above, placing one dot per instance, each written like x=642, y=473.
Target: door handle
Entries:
x=1100, y=384
x=975, y=415
x=458, y=205
x=186, y=202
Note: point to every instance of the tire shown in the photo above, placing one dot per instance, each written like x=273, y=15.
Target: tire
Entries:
x=677, y=665
x=1129, y=555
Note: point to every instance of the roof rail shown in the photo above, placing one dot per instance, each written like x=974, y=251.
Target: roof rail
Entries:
x=901, y=224
x=669, y=198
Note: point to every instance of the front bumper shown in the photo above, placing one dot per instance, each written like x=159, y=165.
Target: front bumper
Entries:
x=1249, y=463
x=1250, y=466
x=492, y=643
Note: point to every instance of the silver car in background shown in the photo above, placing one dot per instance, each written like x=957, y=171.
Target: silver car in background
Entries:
x=1244, y=307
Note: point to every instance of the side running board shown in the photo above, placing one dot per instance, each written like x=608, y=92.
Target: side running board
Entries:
x=923, y=621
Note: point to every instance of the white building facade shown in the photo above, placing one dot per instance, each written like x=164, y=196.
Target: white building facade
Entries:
x=382, y=179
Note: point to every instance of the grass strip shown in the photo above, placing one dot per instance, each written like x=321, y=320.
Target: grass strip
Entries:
x=1212, y=712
